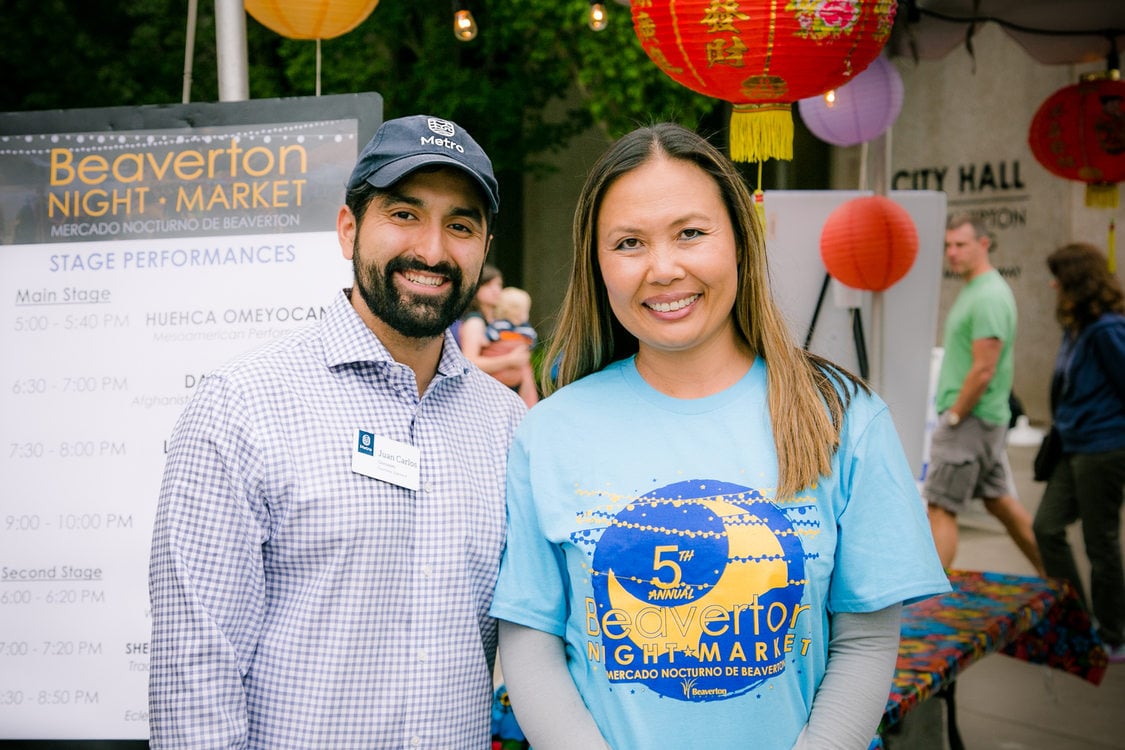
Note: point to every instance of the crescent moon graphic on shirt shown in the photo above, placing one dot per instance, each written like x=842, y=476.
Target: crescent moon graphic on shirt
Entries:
x=755, y=564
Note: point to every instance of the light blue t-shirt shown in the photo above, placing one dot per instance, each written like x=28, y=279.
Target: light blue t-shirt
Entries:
x=643, y=529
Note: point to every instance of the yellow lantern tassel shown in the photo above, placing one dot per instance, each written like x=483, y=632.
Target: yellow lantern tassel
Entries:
x=1111, y=250
x=760, y=208
x=1101, y=194
x=761, y=131
x=760, y=201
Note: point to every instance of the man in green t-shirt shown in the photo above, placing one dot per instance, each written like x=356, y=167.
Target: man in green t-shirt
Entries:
x=968, y=450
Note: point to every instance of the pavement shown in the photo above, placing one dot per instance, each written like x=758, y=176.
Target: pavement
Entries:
x=1007, y=704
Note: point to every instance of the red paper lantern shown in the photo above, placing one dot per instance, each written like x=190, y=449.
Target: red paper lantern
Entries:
x=869, y=243
x=762, y=55
x=1079, y=133
x=310, y=19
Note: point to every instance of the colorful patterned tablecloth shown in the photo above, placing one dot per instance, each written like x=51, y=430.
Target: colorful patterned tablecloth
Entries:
x=1038, y=620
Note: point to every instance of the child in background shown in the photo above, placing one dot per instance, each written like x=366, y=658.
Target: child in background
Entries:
x=512, y=315
x=509, y=328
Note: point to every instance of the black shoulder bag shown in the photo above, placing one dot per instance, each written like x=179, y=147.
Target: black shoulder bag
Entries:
x=1050, y=450
x=1047, y=458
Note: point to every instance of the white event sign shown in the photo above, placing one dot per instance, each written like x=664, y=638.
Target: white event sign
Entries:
x=139, y=248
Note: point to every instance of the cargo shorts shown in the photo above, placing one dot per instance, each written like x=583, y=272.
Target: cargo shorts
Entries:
x=967, y=461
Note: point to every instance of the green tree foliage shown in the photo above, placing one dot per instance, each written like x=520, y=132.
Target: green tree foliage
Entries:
x=535, y=76
x=94, y=53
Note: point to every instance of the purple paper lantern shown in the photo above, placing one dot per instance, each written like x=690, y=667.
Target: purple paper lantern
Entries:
x=864, y=107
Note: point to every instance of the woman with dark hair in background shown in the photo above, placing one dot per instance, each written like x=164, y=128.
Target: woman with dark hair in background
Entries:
x=1088, y=409
x=470, y=331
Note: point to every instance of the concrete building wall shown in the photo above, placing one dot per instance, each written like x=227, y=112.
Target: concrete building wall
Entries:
x=548, y=216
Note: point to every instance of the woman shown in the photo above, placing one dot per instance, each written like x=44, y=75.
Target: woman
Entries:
x=1088, y=407
x=510, y=327
x=471, y=330
x=711, y=532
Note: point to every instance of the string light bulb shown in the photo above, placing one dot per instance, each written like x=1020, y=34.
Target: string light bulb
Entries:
x=597, y=18
x=830, y=97
x=464, y=25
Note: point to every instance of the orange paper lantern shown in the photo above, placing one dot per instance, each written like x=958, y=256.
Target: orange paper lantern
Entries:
x=762, y=55
x=310, y=19
x=869, y=243
x=1079, y=133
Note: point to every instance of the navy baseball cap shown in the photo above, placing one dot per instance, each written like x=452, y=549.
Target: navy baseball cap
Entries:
x=405, y=144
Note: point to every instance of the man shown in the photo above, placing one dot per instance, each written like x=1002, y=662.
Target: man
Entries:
x=968, y=453
x=332, y=513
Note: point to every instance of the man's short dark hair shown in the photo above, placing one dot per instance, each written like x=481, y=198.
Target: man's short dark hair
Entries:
x=979, y=229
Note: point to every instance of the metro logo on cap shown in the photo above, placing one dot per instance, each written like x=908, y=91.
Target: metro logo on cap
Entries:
x=406, y=144
x=444, y=128
x=441, y=127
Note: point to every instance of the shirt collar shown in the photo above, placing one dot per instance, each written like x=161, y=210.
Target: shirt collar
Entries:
x=347, y=340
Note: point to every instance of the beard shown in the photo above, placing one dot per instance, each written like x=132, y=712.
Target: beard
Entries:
x=413, y=316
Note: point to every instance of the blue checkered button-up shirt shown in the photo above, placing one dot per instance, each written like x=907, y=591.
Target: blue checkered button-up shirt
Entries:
x=299, y=604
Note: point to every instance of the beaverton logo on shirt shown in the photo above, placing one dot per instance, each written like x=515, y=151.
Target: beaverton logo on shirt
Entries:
x=697, y=588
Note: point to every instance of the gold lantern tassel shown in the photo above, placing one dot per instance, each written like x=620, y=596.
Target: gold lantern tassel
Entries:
x=1101, y=194
x=760, y=201
x=761, y=131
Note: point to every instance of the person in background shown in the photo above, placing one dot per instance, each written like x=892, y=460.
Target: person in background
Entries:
x=512, y=318
x=1088, y=409
x=711, y=531
x=511, y=327
x=488, y=291
x=331, y=516
x=968, y=449
x=471, y=330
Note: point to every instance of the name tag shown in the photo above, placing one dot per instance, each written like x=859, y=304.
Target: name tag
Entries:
x=389, y=460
